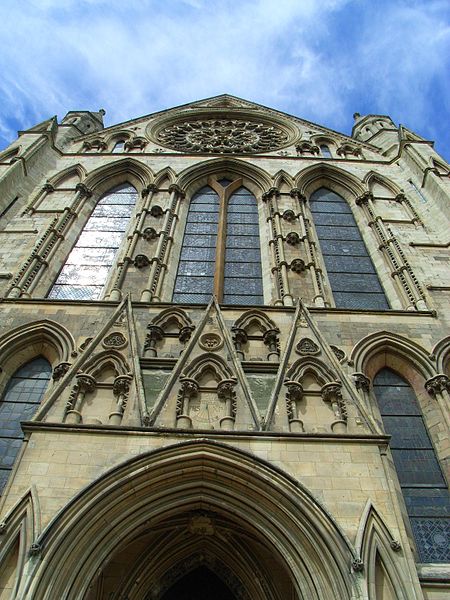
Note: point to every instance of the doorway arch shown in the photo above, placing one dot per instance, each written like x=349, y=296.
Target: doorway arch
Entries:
x=199, y=503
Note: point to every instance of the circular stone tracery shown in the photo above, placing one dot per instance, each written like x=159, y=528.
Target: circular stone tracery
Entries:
x=223, y=136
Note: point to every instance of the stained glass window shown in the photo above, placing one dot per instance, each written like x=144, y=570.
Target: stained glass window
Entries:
x=351, y=274
x=22, y=395
x=242, y=274
x=423, y=485
x=199, y=271
x=195, y=279
x=85, y=272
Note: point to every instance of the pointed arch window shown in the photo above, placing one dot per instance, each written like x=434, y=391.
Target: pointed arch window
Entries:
x=86, y=270
x=421, y=479
x=325, y=150
x=352, y=276
x=19, y=403
x=119, y=147
x=221, y=252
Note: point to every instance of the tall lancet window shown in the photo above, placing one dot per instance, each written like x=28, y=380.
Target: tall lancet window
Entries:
x=423, y=485
x=19, y=403
x=352, y=276
x=221, y=252
x=86, y=270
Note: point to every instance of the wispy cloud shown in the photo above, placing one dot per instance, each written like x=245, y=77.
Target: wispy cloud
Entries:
x=319, y=59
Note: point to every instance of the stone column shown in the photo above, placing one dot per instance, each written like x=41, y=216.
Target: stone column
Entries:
x=362, y=384
x=270, y=338
x=189, y=389
x=158, y=262
x=239, y=338
x=155, y=334
x=116, y=292
x=439, y=387
x=331, y=392
x=85, y=384
x=310, y=247
x=293, y=397
x=226, y=393
x=121, y=389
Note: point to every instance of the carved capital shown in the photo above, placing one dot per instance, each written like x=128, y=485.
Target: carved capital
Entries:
x=400, y=198
x=364, y=199
x=295, y=390
x=48, y=188
x=185, y=333
x=83, y=190
x=189, y=387
x=395, y=545
x=361, y=382
x=60, y=370
x=86, y=383
x=122, y=385
x=239, y=335
x=35, y=549
x=331, y=392
x=150, y=188
x=176, y=188
x=270, y=337
x=225, y=389
x=155, y=333
x=296, y=193
x=437, y=384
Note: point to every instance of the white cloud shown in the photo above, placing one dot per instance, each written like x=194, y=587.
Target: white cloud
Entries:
x=139, y=56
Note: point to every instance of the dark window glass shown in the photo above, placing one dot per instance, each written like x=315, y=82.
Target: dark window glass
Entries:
x=195, y=278
x=197, y=267
x=119, y=146
x=423, y=485
x=242, y=278
x=325, y=151
x=351, y=273
x=86, y=270
x=22, y=395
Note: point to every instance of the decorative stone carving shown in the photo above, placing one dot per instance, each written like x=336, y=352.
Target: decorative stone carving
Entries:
x=307, y=148
x=306, y=346
x=3, y=527
x=185, y=333
x=35, y=549
x=141, y=261
x=289, y=215
x=138, y=143
x=156, y=211
x=293, y=238
x=239, y=338
x=339, y=354
x=48, y=188
x=395, y=545
x=437, y=384
x=83, y=190
x=223, y=136
x=116, y=339
x=298, y=265
x=149, y=234
x=154, y=335
x=357, y=565
x=210, y=341
x=361, y=382
x=348, y=150
x=201, y=525
x=60, y=370
x=270, y=339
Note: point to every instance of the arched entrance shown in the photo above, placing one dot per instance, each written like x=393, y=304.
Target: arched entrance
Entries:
x=197, y=511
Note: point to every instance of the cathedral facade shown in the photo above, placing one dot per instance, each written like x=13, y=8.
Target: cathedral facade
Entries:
x=224, y=359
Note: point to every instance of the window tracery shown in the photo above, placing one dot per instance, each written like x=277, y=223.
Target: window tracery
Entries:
x=352, y=276
x=221, y=248
x=423, y=485
x=86, y=269
x=22, y=396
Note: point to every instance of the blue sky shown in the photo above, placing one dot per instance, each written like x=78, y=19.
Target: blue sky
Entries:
x=321, y=60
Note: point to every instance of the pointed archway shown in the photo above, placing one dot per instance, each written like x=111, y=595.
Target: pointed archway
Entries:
x=200, y=504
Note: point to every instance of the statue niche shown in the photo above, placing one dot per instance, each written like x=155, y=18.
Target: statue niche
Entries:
x=100, y=393
x=207, y=397
x=314, y=399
